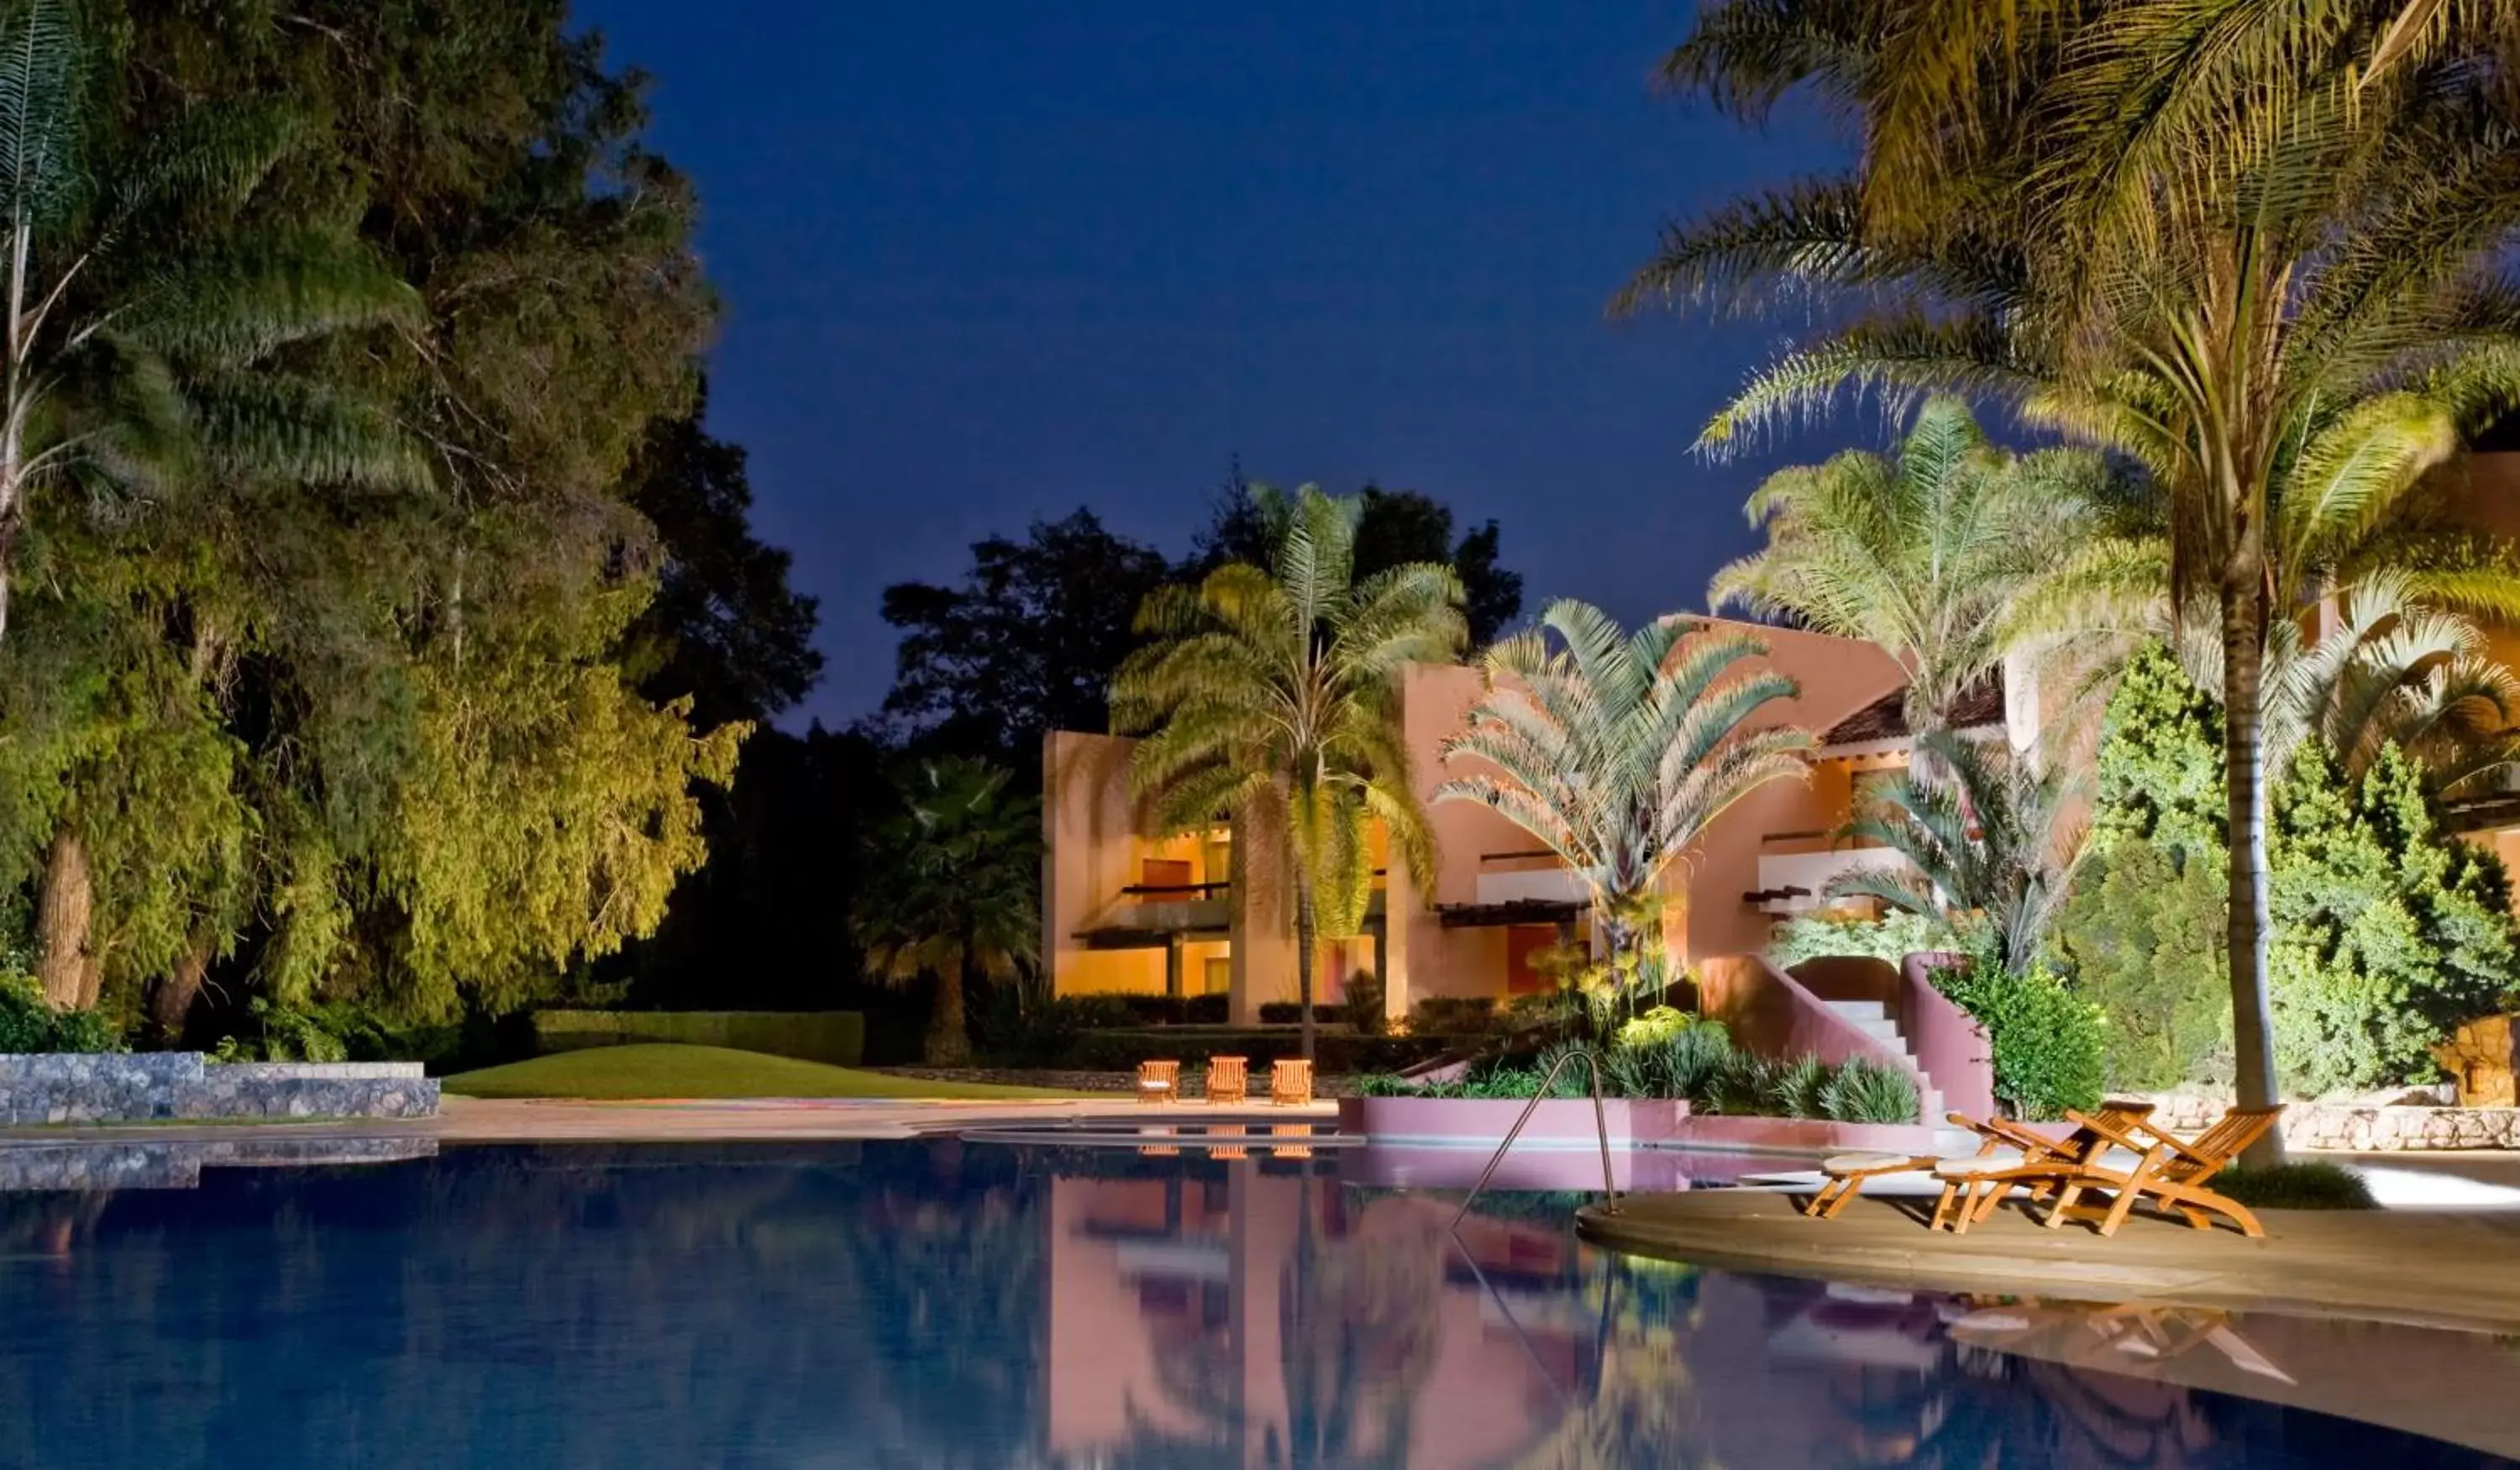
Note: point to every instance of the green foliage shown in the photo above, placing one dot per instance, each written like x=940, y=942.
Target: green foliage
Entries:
x=1696, y=1063
x=1361, y=1003
x=1272, y=696
x=1862, y=1092
x=951, y=889
x=28, y=1024
x=1615, y=750
x=833, y=1036
x=1922, y=554
x=2296, y=1187
x=2143, y=937
x=1893, y=937
x=1804, y=1087
x=1981, y=827
x=2158, y=777
x=643, y=1070
x=1658, y=1027
x=1393, y=528
x=336, y=1030
x=2388, y=933
x=2051, y=1042
x=1025, y=645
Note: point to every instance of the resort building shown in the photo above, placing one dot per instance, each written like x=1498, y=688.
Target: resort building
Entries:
x=1125, y=913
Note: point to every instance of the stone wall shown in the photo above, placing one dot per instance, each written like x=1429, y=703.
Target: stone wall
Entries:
x=2361, y=1127
x=178, y=1165
x=81, y=1087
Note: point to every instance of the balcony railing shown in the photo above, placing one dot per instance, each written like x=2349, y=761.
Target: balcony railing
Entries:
x=1795, y=866
x=1528, y=878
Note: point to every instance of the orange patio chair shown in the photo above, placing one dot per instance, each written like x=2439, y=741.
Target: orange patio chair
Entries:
x=1160, y=1081
x=1290, y=1083
x=1229, y=1079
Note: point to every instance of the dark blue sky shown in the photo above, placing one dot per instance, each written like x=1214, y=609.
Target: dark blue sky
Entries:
x=987, y=260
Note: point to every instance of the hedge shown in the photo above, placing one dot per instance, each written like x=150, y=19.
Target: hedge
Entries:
x=835, y=1036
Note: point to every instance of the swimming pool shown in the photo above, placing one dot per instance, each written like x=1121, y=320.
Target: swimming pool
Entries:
x=948, y=1304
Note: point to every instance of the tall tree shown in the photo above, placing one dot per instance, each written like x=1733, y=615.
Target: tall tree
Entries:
x=2205, y=236
x=432, y=784
x=1026, y=645
x=952, y=890
x=1273, y=696
x=1923, y=552
x=1394, y=528
x=1619, y=750
x=724, y=629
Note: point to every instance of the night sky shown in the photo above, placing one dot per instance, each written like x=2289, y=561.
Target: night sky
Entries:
x=984, y=261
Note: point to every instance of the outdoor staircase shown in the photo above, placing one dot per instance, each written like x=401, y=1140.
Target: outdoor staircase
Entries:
x=1874, y=1018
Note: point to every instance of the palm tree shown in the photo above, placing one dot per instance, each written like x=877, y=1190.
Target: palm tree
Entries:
x=952, y=888
x=146, y=341
x=2202, y=234
x=1272, y=698
x=1921, y=554
x=1983, y=833
x=1618, y=750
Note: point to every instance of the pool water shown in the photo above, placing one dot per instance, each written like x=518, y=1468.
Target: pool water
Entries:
x=949, y=1305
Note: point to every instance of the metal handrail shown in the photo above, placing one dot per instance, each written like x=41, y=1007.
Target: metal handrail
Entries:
x=1600, y=1123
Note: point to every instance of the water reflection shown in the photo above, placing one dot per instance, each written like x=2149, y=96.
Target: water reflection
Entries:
x=944, y=1305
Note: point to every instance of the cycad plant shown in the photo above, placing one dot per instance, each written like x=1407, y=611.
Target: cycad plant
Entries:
x=1271, y=699
x=2207, y=235
x=148, y=340
x=1922, y=553
x=1617, y=750
x=950, y=888
x=1987, y=848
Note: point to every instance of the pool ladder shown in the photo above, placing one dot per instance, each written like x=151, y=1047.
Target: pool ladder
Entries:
x=1600, y=1124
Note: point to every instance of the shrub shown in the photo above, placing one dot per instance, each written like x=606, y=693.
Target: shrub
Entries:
x=1361, y=1003
x=1291, y=1013
x=1453, y=1015
x=1863, y=1092
x=27, y=1024
x=1795, y=1089
x=1893, y=937
x=1654, y=1028
x=2143, y=935
x=1208, y=1010
x=2050, y=1042
x=2296, y=1187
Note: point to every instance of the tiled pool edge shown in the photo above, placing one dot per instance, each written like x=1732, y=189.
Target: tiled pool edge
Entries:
x=174, y=1086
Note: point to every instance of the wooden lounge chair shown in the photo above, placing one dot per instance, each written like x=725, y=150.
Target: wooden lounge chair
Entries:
x=1160, y=1081
x=2173, y=1173
x=2006, y=1145
x=1290, y=1083
x=2031, y=1171
x=1229, y=1079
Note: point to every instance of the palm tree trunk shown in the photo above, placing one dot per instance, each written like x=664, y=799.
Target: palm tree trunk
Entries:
x=63, y=918
x=2244, y=616
x=948, y=1040
x=1305, y=928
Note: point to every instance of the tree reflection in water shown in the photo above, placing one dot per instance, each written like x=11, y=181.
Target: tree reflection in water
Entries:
x=917, y=1304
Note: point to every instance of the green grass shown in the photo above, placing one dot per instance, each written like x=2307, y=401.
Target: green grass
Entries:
x=2296, y=1187
x=649, y=1070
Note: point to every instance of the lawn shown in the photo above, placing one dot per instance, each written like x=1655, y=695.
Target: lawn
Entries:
x=658, y=1070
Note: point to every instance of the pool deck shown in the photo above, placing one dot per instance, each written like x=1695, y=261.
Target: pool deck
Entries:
x=2431, y=1267
x=473, y=1120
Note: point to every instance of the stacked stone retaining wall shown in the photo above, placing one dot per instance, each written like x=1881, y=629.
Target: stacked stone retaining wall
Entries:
x=2381, y=1128
x=84, y=1088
